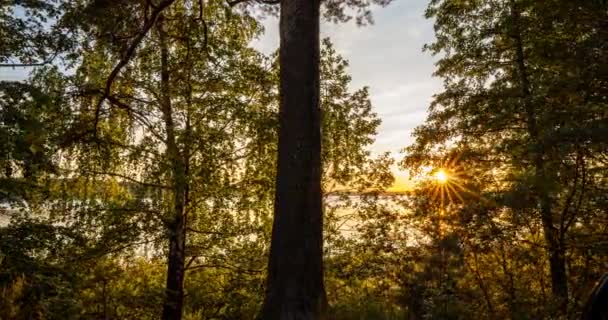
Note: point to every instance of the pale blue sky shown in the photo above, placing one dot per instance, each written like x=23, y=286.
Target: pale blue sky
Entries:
x=386, y=56
x=13, y=74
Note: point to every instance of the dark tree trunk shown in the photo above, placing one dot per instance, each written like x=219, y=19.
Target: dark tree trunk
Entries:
x=176, y=227
x=174, y=288
x=555, y=246
x=295, y=287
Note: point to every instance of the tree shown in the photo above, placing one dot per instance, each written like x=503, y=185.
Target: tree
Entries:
x=306, y=143
x=32, y=33
x=513, y=75
x=199, y=99
x=114, y=188
x=295, y=286
x=295, y=270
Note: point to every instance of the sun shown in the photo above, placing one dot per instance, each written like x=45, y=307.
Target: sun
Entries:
x=447, y=182
x=441, y=176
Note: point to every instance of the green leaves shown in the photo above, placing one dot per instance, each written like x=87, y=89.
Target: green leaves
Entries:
x=512, y=96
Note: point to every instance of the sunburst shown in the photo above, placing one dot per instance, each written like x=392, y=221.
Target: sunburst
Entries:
x=449, y=182
x=441, y=176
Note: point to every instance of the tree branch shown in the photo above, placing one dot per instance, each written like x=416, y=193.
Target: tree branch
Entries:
x=219, y=266
x=122, y=176
x=36, y=64
x=236, y=2
x=128, y=55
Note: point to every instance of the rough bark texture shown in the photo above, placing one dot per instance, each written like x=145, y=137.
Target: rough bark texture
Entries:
x=176, y=228
x=556, y=249
x=295, y=287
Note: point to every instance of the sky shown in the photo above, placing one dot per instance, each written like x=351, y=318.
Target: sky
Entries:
x=13, y=74
x=387, y=57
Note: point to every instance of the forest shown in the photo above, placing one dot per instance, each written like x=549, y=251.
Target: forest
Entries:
x=156, y=165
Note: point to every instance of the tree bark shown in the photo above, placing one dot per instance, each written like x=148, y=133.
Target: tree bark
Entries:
x=294, y=287
x=556, y=249
x=176, y=227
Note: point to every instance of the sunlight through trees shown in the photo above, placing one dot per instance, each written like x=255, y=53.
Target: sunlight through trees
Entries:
x=154, y=164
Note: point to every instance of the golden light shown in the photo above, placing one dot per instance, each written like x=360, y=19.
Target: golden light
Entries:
x=447, y=182
x=441, y=176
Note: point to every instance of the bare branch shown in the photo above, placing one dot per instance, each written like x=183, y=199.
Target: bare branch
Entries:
x=36, y=64
x=236, y=2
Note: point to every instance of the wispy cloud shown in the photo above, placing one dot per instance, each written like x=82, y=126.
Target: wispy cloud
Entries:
x=386, y=56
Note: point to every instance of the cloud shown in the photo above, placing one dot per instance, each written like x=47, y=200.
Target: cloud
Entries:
x=386, y=56
x=13, y=74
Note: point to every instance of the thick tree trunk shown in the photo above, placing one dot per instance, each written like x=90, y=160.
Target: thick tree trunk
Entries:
x=295, y=287
x=557, y=260
x=176, y=227
x=555, y=247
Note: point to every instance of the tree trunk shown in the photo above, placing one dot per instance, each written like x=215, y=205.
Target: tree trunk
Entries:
x=176, y=227
x=510, y=286
x=556, y=250
x=295, y=287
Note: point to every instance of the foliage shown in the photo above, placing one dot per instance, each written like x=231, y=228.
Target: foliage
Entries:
x=517, y=127
x=87, y=180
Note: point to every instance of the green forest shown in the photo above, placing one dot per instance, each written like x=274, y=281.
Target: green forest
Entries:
x=156, y=165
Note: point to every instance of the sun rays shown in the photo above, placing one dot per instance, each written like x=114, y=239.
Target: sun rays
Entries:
x=449, y=183
x=441, y=176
